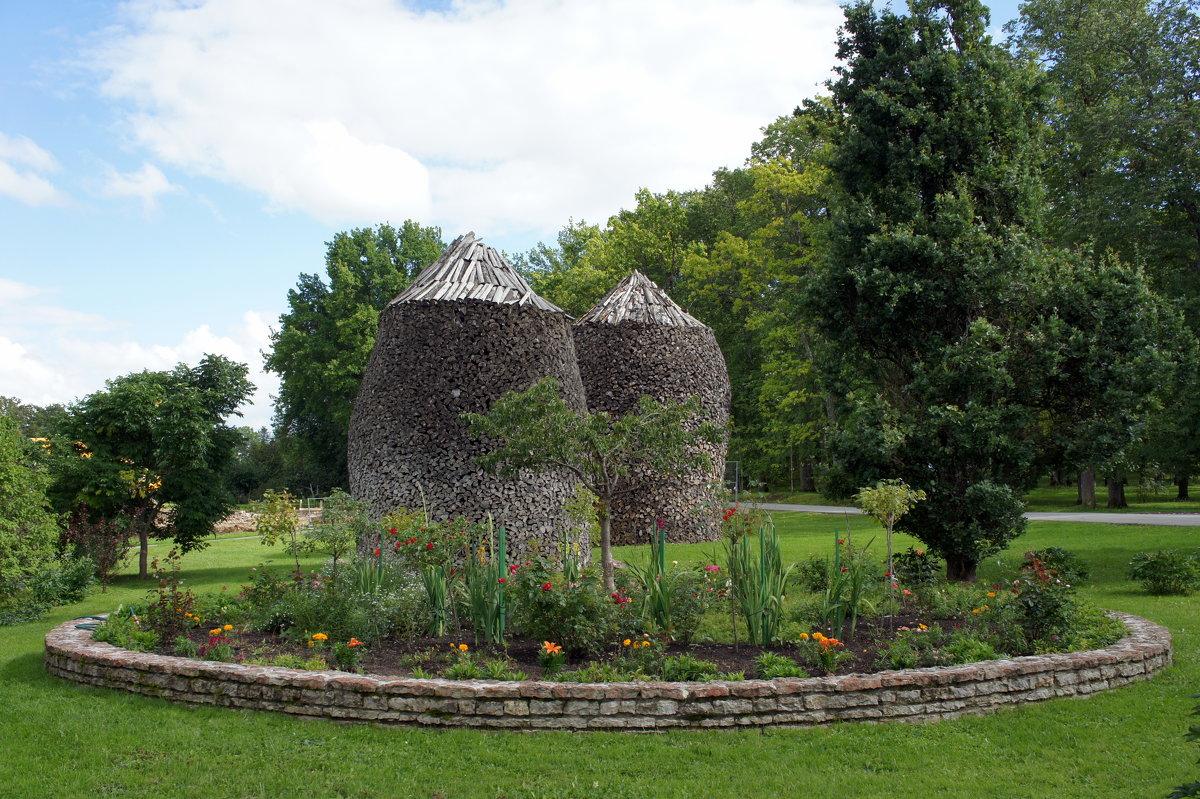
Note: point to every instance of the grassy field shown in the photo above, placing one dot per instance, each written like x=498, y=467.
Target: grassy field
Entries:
x=58, y=739
x=1045, y=498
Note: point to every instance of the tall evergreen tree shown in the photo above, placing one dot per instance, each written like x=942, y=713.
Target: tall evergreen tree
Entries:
x=959, y=335
x=935, y=186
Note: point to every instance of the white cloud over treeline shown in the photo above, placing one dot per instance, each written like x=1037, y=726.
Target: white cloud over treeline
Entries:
x=505, y=116
x=50, y=354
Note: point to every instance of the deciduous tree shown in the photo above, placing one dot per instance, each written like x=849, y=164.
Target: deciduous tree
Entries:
x=321, y=347
x=536, y=429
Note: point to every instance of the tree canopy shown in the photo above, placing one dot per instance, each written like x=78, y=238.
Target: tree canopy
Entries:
x=536, y=429
x=321, y=347
x=154, y=439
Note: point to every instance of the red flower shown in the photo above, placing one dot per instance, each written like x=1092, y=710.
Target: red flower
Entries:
x=503, y=580
x=376, y=551
x=393, y=531
x=513, y=569
x=546, y=586
x=429, y=545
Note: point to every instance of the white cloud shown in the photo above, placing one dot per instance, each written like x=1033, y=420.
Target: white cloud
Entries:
x=59, y=355
x=21, y=311
x=494, y=116
x=21, y=161
x=147, y=185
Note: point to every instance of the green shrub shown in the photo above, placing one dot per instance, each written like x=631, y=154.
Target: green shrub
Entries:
x=1064, y=563
x=1166, y=571
x=1046, y=603
x=813, y=573
x=964, y=647
x=1091, y=628
x=916, y=567
x=594, y=671
x=580, y=615
x=125, y=629
x=686, y=668
x=185, y=647
x=771, y=665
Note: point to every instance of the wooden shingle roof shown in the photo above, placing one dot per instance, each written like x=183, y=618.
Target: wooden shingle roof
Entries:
x=638, y=299
x=471, y=270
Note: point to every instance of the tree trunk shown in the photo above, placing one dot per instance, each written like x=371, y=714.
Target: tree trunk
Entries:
x=807, y=483
x=1060, y=477
x=1181, y=484
x=606, y=556
x=1116, y=493
x=960, y=569
x=143, y=553
x=1087, y=488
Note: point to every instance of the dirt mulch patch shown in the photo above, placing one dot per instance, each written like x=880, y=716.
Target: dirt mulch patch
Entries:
x=396, y=658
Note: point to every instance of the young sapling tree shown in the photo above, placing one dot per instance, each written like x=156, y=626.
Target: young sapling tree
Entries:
x=610, y=456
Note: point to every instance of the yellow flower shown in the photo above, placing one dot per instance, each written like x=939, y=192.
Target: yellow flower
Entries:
x=991, y=594
x=626, y=643
x=803, y=636
x=976, y=610
x=923, y=626
x=228, y=626
x=463, y=647
x=216, y=631
x=320, y=637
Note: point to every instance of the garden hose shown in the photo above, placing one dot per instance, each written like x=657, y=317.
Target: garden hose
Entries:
x=90, y=625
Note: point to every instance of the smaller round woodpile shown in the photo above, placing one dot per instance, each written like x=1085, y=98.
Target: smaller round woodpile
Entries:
x=637, y=341
x=467, y=330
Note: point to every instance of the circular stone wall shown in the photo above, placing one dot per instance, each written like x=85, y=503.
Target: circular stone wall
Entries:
x=908, y=695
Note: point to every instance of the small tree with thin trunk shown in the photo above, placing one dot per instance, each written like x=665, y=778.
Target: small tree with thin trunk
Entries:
x=610, y=456
x=886, y=502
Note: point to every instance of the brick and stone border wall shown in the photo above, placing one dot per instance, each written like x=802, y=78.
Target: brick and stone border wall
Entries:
x=909, y=695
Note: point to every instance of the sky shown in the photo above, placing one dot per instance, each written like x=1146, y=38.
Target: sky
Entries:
x=168, y=168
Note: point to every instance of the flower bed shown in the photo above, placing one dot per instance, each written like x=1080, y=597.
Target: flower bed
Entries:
x=908, y=695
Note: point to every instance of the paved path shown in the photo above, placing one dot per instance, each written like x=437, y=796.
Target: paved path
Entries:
x=1152, y=519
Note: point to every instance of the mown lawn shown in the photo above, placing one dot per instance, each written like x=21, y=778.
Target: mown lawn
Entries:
x=58, y=739
x=1045, y=497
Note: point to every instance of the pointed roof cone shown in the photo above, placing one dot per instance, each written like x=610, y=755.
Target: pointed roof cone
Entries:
x=471, y=270
x=638, y=299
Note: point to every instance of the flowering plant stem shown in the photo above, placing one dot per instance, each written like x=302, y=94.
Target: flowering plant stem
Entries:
x=657, y=586
x=486, y=577
x=758, y=592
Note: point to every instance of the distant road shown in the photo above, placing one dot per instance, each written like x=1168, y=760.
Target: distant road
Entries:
x=1153, y=519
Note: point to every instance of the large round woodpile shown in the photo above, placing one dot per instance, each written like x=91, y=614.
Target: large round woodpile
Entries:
x=638, y=341
x=467, y=330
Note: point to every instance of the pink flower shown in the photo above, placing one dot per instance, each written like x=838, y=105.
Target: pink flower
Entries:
x=712, y=568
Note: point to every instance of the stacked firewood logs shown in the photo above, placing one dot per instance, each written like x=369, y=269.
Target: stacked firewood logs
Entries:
x=467, y=330
x=638, y=341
